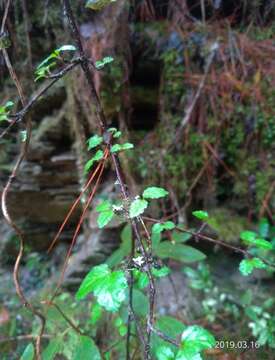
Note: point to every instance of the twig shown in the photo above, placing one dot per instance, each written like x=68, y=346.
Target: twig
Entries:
x=99, y=113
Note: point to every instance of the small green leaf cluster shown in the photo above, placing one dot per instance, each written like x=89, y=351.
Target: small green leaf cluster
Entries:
x=96, y=140
x=5, y=110
x=101, y=63
x=44, y=68
x=139, y=205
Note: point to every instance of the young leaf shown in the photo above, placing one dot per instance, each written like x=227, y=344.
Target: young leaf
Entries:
x=94, y=141
x=28, y=353
x=98, y=156
x=248, y=265
x=195, y=339
x=137, y=207
x=159, y=227
x=106, y=60
x=200, y=214
x=250, y=237
x=117, y=147
x=108, y=287
x=86, y=349
x=154, y=192
x=104, y=218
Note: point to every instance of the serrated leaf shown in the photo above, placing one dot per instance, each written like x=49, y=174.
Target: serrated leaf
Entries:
x=248, y=265
x=200, y=214
x=86, y=349
x=104, y=218
x=98, y=156
x=108, y=287
x=137, y=207
x=179, y=252
x=117, y=256
x=195, y=339
x=141, y=279
x=154, y=192
x=94, y=141
x=28, y=353
x=159, y=227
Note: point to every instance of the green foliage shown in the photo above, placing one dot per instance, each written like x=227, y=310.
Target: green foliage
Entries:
x=50, y=62
x=179, y=252
x=137, y=207
x=200, y=214
x=5, y=110
x=98, y=156
x=108, y=287
x=248, y=265
x=98, y=4
x=154, y=192
x=101, y=63
x=250, y=238
x=194, y=339
x=159, y=227
x=86, y=349
x=54, y=346
x=117, y=147
x=28, y=353
x=94, y=141
x=106, y=213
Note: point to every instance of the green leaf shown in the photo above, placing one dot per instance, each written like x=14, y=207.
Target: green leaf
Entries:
x=66, y=48
x=28, y=353
x=180, y=237
x=159, y=227
x=94, y=141
x=117, y=147
x=106, y=60
x=180, y=252
x=264, y=228
x=96, y=313
x=108, y=287
x=250, y=237
x=86, y=349
x=200, y=214
x=195, y=339
x=187, y=355
x=164, y=271
x=116, y=133
x=165, y=353
x=140, y=303
x=126, y=237
x=137, y=207
x=141, y=279
x=98, y=156
x=248, y=265
x=104, y=218
x=154, y=192
x=117, y=256
x=52, y=349
x=103, y=206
